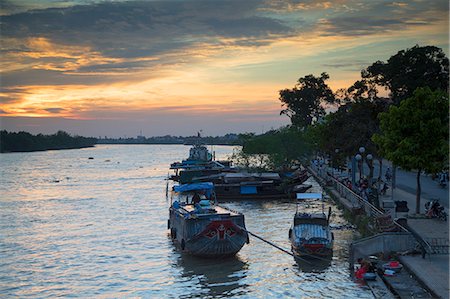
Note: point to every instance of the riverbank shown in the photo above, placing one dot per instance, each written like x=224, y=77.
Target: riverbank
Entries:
x=430, y=272
x=25, y=142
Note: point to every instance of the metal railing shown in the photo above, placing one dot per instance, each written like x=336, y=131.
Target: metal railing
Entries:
x=356, y=200
x=438, y=245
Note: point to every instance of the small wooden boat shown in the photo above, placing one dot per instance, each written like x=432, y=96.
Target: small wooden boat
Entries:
x=202, y=228
x=310, y=234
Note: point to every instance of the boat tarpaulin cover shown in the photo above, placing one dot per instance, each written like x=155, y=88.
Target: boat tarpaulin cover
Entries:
x=310, y=231
x=309, y=195
x=248, y=190
x=193, y=187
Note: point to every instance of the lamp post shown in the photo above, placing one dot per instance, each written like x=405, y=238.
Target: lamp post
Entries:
x=333, y=161
x=360, y=158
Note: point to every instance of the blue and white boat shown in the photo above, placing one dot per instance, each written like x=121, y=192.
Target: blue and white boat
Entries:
x=200, y=227
x=310, y=234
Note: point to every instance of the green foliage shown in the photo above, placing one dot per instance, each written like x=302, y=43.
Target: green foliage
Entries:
x=25, y=142
x=409, y=69
x=349, y=128
x=414, y=135
x=304, y=103
x=280, y=148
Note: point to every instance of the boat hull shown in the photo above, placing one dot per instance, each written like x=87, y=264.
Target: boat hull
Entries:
x=312, y=250
x=215, y=235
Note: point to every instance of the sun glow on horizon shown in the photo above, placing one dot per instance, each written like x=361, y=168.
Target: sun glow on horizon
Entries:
x=219, y=73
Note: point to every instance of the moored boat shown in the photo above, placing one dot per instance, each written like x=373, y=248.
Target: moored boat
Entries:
x=199, y=163
x=200, y=227
x=232, y=186
x=310, y=234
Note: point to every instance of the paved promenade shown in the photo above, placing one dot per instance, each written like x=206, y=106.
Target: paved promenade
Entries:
x=433, y=270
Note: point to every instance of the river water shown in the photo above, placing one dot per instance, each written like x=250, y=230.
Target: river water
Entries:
x=72, y=226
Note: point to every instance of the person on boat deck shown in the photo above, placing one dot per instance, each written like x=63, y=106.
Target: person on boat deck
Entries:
x=196, y=198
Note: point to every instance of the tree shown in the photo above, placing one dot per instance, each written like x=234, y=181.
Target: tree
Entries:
x=276, y=149
x=346, y=130
x=414, y=135
x=409, y=69
x=303, y=103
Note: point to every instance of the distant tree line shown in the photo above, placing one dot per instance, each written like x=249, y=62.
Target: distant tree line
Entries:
x=410, y=127
x=26, y=142
x=228, y=139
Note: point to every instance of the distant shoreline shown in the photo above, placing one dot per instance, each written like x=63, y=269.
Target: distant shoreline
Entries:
x=166, y=143
x=23, y=142
x=44, y=150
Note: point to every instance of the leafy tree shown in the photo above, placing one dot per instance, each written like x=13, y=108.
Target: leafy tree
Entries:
x=344, y=131
x=410, y=69
x=304, y=103
x=275, y=149
x=360, y=90
x=414, y=135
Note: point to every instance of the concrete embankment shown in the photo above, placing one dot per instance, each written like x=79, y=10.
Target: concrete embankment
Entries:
x=424, y=278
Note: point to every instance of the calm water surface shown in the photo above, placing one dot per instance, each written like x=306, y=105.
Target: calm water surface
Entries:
x=72, y=226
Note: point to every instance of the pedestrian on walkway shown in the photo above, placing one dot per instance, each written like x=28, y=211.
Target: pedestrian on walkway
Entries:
x=388, y=174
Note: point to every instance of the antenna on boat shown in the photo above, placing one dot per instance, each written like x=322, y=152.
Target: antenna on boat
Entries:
x=167, y=186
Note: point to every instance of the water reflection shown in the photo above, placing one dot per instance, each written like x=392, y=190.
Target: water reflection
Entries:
x=313, y=265
x=101, y=232
x=217, y=278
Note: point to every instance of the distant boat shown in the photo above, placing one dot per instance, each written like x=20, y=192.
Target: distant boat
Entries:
x=199, y=163
x=200, y=227
x=310, y=233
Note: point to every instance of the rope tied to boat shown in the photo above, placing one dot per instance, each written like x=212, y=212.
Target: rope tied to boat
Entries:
x=274, y=245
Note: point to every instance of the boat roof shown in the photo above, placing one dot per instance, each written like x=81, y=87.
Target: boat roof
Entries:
x=189, y=164
x=217, y=211
x=194, y=187
x=310, y=219
x=265, y=175
x=309, y=195
x=310, y=215
x=310, y=231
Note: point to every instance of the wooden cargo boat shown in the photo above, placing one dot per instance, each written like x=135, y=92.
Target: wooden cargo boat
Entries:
x=252, y=186
x=201, y=227
x=199, y=163
x=310, y=234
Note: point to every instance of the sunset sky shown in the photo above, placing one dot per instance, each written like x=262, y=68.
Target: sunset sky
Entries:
x=115, y=68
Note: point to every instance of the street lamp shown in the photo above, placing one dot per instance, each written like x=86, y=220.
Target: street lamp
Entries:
x=334, y=159
x=360, y=158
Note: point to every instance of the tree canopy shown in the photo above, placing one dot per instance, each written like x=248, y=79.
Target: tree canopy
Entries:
x=415, y=134
x=26, y=142
x=409, y=69
x=304, y=103
x=275, y=149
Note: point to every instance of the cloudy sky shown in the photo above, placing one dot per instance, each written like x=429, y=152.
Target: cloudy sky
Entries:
x=114, y=68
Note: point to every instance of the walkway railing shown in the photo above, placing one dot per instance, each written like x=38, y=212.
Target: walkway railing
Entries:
x=356, y=200
x=438, y=245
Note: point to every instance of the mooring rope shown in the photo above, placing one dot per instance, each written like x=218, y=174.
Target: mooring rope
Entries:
x=276, y=246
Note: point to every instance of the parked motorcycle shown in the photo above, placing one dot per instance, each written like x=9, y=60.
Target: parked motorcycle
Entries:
x=434, y=210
